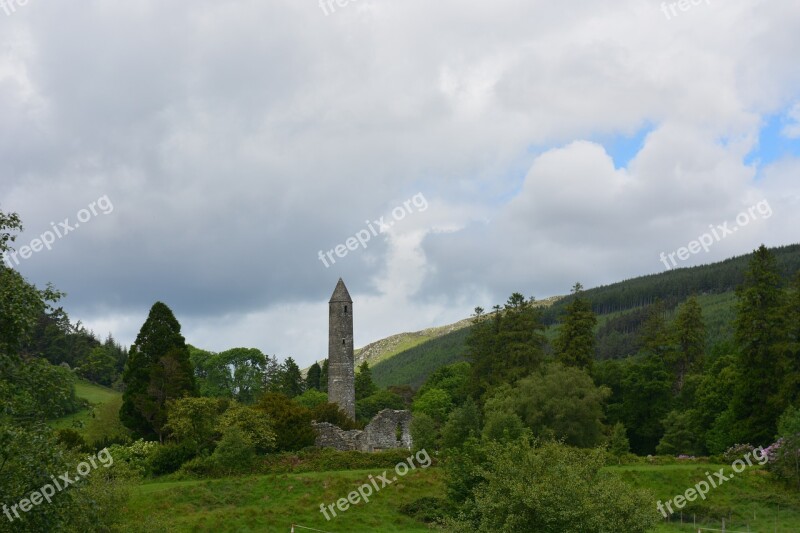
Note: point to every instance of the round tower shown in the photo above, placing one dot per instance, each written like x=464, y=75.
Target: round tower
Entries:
x=341, y=362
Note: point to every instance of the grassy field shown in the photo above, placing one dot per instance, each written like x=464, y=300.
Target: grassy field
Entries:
x=100, y=419
x=275, y=502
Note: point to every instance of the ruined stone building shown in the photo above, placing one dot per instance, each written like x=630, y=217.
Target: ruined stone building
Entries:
x=389, y=429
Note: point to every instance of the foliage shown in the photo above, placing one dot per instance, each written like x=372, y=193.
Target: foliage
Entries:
x=311, y=398
x=169, y=457
x=158, y=370
x=548, y=487
x=313, y=378
x=235, y=453
x=681, y=434
x=291, y=422
x=757, y=332
x=464, y=422
x=435, y=403
x=364, y=385
x=193, y=421
x=424, y=432
x=135, y=455
x=370, y=406
x=505, y=346
x=618, y=443
x=556, y=402
x=575, y=344
x=255, y=428
x=331, y=413
x=453, y=379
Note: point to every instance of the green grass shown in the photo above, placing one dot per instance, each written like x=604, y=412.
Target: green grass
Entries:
x=751, y=499
x=100, y=419
x=275, y=502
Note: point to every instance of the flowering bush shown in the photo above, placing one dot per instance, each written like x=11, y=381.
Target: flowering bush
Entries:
x=737, y=451
x=136, y=455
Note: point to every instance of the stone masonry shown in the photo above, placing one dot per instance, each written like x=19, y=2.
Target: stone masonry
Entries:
x=388, y=430
x=341, y=364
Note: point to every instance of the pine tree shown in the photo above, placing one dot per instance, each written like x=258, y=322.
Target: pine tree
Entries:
x=313, y=377
x=364, y=385
x=690, y=338
x=323, y=376
x=757, y=402
x=158, y=369
x=574, y=345
x=290, y=379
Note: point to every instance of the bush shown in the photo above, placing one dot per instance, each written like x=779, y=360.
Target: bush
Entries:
x=428, y=509
x=168, y=458
x=136, y=455
x=525, y=486
x=234, y=453
x=71, y=440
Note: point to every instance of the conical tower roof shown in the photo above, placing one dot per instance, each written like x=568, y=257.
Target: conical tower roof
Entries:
x=340, y=293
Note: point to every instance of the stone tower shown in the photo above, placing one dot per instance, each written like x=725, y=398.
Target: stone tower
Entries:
x=341, y=371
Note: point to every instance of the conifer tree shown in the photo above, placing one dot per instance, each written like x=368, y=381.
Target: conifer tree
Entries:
x=757, y=401
x=574, y=345
x=313, y=377
x=364, y=385
x=158, y=370
x=690, y=339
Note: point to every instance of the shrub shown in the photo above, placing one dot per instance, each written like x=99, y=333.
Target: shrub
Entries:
x=234, y=453
x=168, y=458
x=71, y=439
x=428, y=509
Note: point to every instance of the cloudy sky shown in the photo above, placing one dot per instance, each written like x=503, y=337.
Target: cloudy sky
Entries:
x=204, y=153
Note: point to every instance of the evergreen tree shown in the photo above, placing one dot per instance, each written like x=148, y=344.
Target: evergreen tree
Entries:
x=654, y=336
x=323, y=376
x=365, y=387
x=313, y=377
x=290, y=379
x=158, y=370
x=690, y=338
x=506, y=346
x=790, y=348
x=574, y=345
x=757, y=402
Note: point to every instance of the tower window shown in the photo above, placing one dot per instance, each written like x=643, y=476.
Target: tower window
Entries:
x=344, y=341
x=345, y=309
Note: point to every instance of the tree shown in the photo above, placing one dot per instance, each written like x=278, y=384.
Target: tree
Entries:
x=291, y=422
x=323, y=376
x=646, y=400
x=370, y=406
x=311, y=398
x=193, y=421
x=681, y=434
x=464, y=422
x=690, y=338
x=424, y=432
x=290, y=380
x=574, y=345
x=313, y=377
x=547, y=487
x=158, y=370
x=100, y=366
x=504, y=346
x=757, y=402
x=255, y=428
x=618, y=443
x=363, y=382
x=435, y=403
x=556, y=402
x=654, y=336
